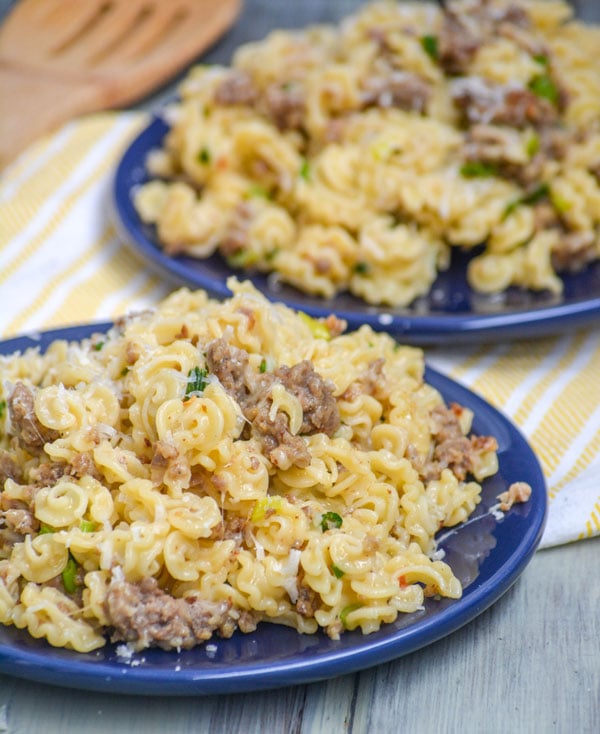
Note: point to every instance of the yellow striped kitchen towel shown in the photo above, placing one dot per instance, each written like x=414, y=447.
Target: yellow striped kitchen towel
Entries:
x=61, y=263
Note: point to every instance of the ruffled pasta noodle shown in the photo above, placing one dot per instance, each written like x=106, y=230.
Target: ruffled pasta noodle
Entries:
x=207, y=466
x=357, y=157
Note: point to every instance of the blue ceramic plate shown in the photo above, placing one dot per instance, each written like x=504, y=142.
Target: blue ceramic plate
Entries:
x=451, y=312
x=487, y=555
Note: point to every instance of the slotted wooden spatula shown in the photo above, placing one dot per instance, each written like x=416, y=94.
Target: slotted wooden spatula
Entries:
x=63, y=58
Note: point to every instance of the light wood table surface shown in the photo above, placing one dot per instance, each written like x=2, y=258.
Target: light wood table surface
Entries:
x=531, y=663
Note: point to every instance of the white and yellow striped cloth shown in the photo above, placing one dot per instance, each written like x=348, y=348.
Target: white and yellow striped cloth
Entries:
x=62, y=263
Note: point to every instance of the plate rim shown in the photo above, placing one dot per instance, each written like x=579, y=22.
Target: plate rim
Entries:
x=541, y=320
x=111, y=676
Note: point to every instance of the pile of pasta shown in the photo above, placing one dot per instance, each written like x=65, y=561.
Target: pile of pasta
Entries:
x=149, y=495
x=356, y=157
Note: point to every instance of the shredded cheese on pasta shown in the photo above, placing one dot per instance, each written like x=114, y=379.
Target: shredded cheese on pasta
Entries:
x=212, y=465
x=356, y=157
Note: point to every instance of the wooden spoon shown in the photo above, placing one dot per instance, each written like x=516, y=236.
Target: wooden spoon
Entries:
x=62, y=58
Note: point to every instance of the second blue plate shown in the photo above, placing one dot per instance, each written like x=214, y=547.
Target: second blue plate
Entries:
x=451, y=311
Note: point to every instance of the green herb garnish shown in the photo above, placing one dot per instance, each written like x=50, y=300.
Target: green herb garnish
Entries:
x=272, y=503
x=477, y=169
x=330, y=520
x=305, y=170
x=361, y=268
x=263, y=366
x=337, y=572
x=87, y=526
x=535, y=195
x=242, y=258
x=204, y=156
x=532, y=145
x=319, y=329
x=544, y=87
x=98, y=346
x=2, y=407
x=347, y=610
x=256, y=191
x=559, y=203
x=69, y=575
x=430, y=46
x=196, y=381
x=44, y=529
x=541, y=59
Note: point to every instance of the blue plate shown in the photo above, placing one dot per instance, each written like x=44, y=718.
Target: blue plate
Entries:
x=451, y=312
x=487, y=555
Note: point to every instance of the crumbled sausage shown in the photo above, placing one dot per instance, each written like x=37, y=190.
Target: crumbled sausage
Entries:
x=236, y=237
x=236, y=89
x=457, y=44
x=31, y=434
x=452, y=449
x=167, y=464
x=144, y=615
x=252, y=391
x=47, y=473
x=402, y=89
x=517, y=492
x=9, y=468
x=307, y=602
x=285, y=105
x=367, y=383
x=21, y=520
x=484, y=102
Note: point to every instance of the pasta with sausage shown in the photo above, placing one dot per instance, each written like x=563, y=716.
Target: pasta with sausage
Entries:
x=358, y=157
x=207, y=466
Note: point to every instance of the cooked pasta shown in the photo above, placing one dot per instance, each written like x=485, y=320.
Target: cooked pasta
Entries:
x=207, y=466
x=355, y=157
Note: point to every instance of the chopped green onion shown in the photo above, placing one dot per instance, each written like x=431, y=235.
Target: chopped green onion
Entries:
x=541, y=59
x=347, y=610
x=532, y=146
x=395, y=220
x=265, y=504
x=337, y=572
x=2, y=407
x=535, y=195
x=87, y=526
x=98, y=346
x=477, y=169
x=330, y=520
x=257, y=191
x=560, y=203
x=263, y=366
x=124, y=371
x=319, y=329
x=544, y=87
x=69, y=575
x=305, y=170
x=243, y=258
x=196, y=380
x=430, y=46
x=361, y=268
x=204, y=156
x=45, y=529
